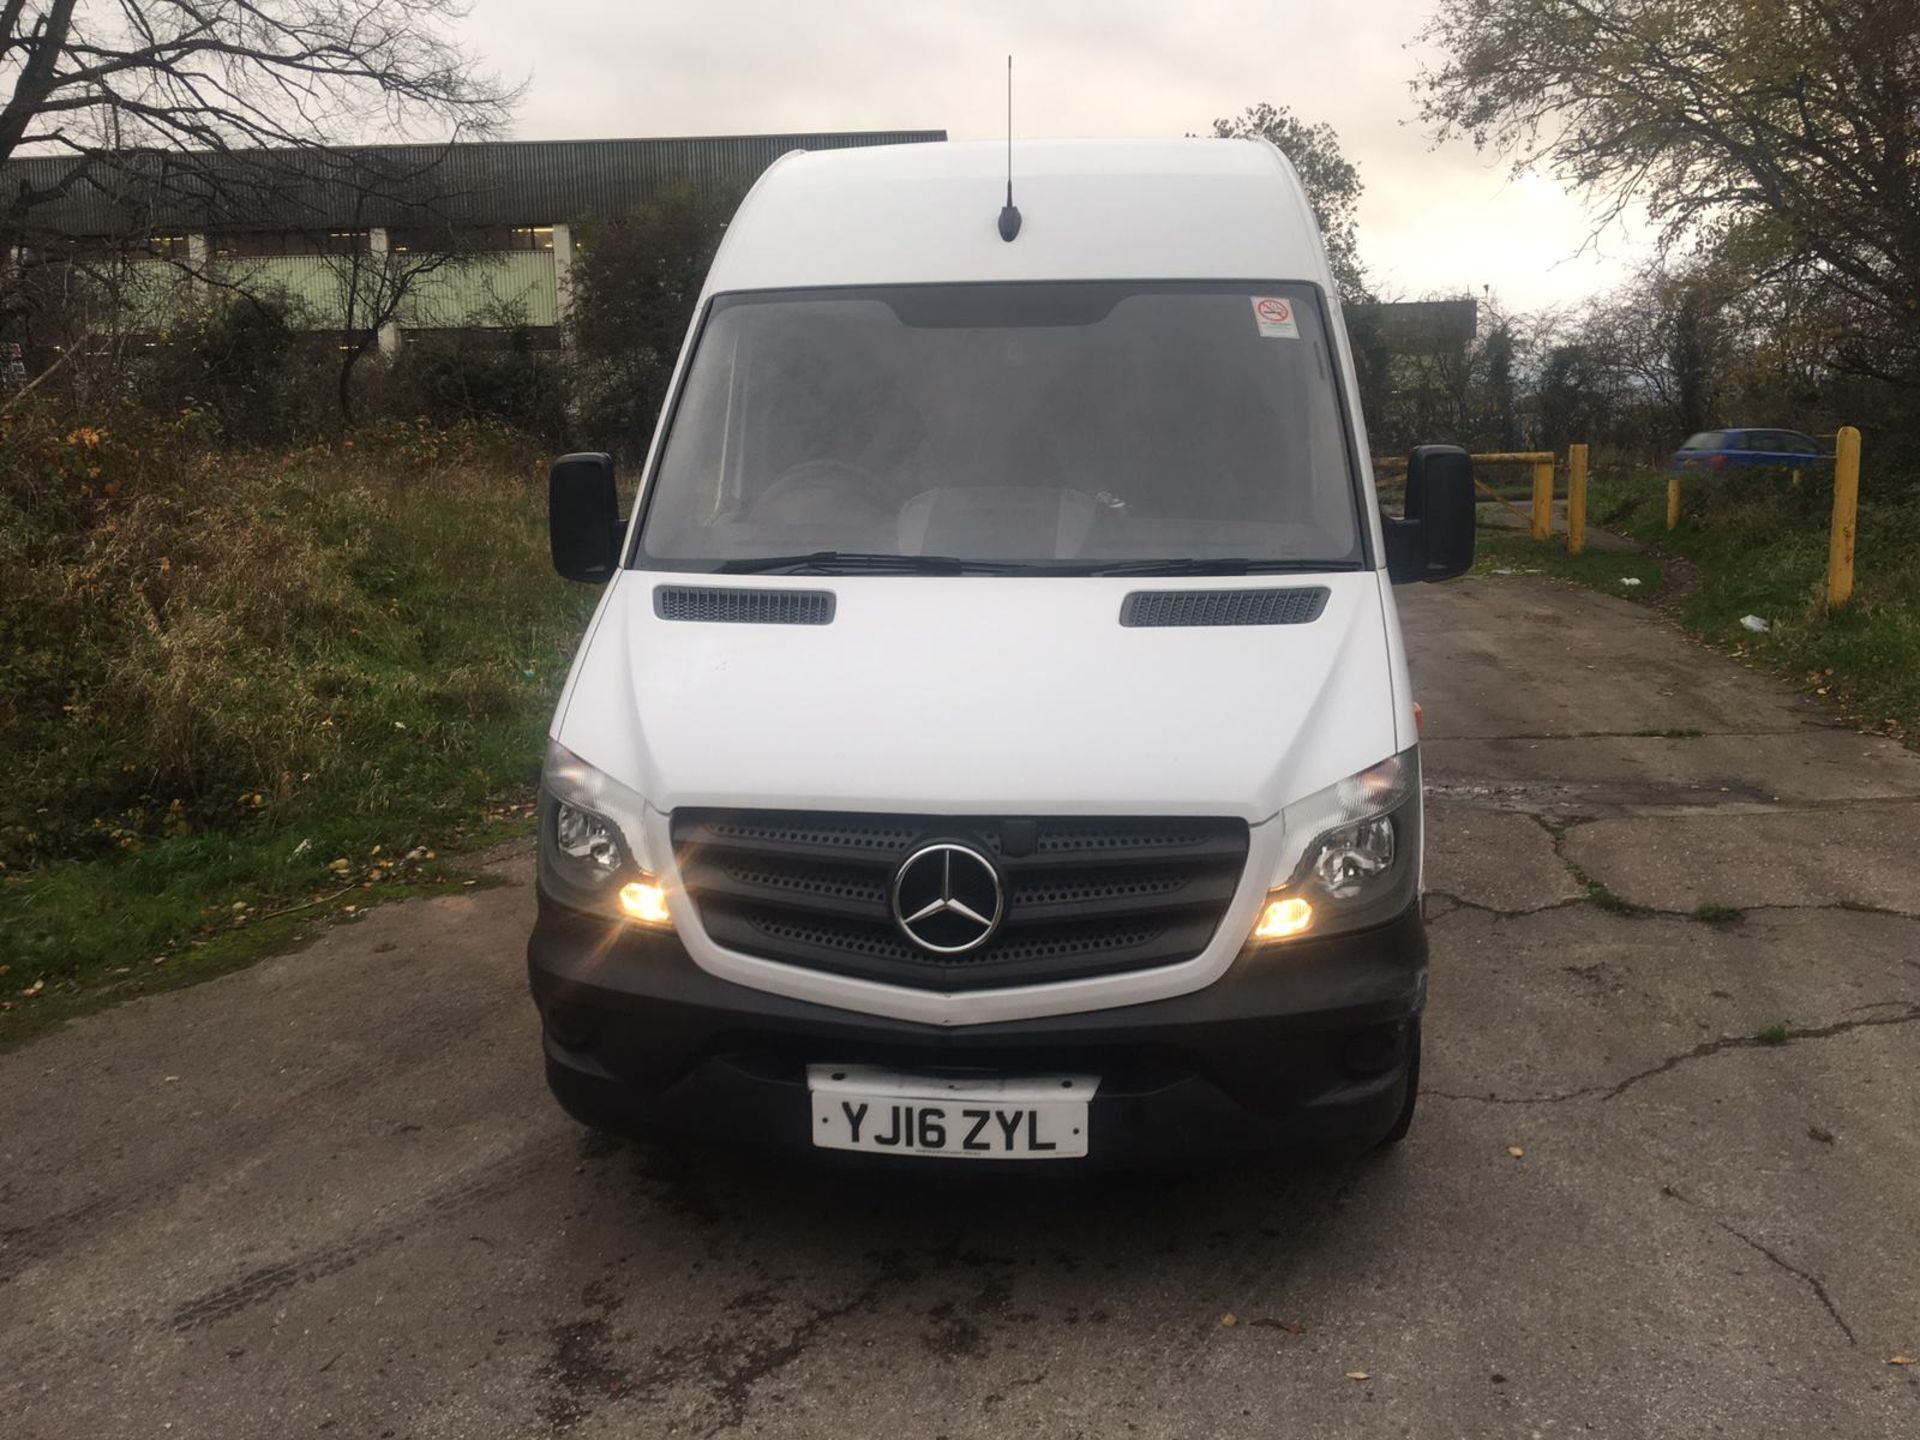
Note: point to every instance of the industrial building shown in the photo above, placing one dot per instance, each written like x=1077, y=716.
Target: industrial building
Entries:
x=311, y=224
x=315, y=224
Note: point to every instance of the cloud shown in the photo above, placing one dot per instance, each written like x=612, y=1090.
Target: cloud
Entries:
x=1431, y=221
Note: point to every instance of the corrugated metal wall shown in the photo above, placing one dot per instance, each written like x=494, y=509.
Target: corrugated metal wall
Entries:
x=511, y=182
x=480, y=290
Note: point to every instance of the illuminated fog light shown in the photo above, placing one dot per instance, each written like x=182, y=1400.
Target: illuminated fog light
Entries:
x=645, y=901
x=1288, y=915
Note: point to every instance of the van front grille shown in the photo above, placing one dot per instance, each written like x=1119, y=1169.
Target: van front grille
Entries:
x=1083, y=896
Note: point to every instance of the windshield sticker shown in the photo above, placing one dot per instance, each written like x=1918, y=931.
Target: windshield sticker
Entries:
x=1274, y=316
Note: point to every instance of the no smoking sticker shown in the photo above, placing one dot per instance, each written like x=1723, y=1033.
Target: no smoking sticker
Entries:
x=1274, y=316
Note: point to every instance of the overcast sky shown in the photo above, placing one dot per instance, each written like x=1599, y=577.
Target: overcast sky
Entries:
x=1431, y=221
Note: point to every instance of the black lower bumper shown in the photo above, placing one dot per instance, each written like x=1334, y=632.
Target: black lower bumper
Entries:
x=1306, y=1045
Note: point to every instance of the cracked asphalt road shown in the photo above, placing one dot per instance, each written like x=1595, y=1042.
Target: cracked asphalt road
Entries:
x=329, y=1196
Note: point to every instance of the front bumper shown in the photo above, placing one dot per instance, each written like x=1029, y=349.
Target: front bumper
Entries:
x=1302, y=1045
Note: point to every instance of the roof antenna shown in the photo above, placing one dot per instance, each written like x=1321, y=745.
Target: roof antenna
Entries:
x=1009, y=216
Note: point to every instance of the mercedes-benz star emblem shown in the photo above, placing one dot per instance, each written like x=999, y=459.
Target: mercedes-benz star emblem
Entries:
x=947, y=898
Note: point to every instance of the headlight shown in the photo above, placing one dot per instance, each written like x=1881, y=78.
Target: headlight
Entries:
x=1350, y=854
x=592, y=844
x=586, y=839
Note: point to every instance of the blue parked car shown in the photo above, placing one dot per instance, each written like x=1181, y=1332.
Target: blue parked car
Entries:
x=1747, y=450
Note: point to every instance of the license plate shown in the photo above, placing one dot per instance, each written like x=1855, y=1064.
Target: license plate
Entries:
x=1039, y=1117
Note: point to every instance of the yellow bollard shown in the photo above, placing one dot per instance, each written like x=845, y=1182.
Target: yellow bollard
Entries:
x=1673, y=501
x=1542, y=499
x=1576, y=499
x=1846, y=510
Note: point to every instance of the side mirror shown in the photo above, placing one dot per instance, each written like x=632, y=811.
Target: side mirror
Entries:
x=583, y=518
x=1435, y=540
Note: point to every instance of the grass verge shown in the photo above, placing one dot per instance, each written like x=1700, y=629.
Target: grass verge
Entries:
x=254, y=693
x=1755, y=544
x=196, y=944
x=1636, y=575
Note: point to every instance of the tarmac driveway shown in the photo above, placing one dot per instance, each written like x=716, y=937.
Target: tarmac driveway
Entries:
x=1665, y=1180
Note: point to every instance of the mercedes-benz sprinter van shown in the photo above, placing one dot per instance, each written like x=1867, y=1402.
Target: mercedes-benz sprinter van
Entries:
x=994, y=740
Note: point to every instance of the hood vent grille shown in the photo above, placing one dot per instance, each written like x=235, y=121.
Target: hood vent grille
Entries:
x=1296, y=605
x=724, y=605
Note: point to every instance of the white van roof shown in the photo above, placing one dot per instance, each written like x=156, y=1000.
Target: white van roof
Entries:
x=1090, y=209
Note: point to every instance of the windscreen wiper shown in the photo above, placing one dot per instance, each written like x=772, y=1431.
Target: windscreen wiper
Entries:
x=858, y=562
x=1228, y=566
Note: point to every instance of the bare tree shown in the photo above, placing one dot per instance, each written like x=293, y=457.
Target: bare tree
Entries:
x=220, y=107
x=376, y=286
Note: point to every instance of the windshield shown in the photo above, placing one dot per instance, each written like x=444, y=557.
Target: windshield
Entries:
x=1001, y=428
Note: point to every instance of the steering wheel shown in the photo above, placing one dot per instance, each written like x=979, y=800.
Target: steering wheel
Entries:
x=799, y=493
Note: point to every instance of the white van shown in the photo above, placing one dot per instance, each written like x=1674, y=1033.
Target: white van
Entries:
x=994, y=741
